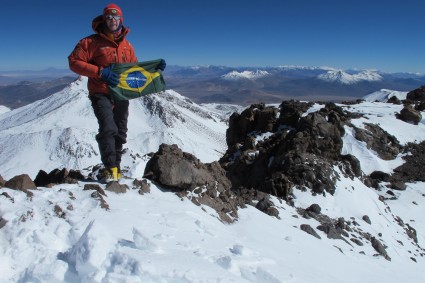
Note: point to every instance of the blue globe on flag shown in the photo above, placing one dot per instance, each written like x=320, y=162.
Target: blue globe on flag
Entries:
x=136, y=79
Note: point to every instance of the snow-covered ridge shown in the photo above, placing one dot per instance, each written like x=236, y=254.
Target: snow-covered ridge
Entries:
x=4, y=109
x=60, y=130
x=346, y=78
x=251, y=75
x=384, y=94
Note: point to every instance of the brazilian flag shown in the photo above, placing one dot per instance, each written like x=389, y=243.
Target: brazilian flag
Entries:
x=137, y=79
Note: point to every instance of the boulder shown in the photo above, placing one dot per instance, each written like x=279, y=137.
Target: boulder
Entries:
x=410, y=115
x=203, y=184
x=21, y=182
x=416, y=94
x=178, y=170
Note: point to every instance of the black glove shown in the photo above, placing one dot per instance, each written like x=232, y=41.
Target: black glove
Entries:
x=110, y=77
x=161, y=66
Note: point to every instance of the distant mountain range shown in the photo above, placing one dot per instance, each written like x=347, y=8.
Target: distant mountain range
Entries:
x=234, y=85
x=247, y=85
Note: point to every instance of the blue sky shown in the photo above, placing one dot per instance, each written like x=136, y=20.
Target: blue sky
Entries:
x=365, y=34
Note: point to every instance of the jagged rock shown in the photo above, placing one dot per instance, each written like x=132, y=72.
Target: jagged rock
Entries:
x=353, y=168
x=59, y=211
x=178, y=170
x=291, y=111
x=248, y=196
x=257, y=118
x=223, y=202
x=2, y=181
x=380, y=176
x=410, y=115
x=377, y=245
x=143, y=186
x=412, y=168
x=411, y=232
x=57, y=176
x=116, y=187
x=300, y=150
x=398, y=185
x=2, y=222
x=315, y=208
x=99, y=197
x=94, y=187
x=267, y=206
x=21, y=182
x=309, y=230
x=8, y=196
x=330, y=231
x=183, y=173
x=394, y=100
x=356, y=241
x=366, y=219
x=420, y=106
x=416, y=94
x=385, y=145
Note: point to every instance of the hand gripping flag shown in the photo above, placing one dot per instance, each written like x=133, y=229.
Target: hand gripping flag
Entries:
x=137, y=79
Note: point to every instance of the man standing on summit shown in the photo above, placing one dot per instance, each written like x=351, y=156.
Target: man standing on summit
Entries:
x=93, y=57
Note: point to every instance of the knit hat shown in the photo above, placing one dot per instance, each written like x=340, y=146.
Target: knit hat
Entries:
x=112, y=9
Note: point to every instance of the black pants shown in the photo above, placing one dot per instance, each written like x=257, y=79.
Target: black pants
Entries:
x=112, y=117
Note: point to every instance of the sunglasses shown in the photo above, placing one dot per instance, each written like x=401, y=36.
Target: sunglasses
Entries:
x=110, y=17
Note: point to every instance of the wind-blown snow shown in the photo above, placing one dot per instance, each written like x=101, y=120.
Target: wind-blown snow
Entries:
x=160, y=237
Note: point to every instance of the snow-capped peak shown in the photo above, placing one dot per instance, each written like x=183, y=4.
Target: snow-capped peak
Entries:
x=251, y=75
x=346, y=78
x=60, y=130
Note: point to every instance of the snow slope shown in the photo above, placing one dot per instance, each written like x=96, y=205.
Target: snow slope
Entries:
x=160, y=237
x=60, y=130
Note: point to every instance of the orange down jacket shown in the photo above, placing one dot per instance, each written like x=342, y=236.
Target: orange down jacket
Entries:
x=97, y=51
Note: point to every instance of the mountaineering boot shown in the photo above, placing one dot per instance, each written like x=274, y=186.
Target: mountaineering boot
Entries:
x=111, y=174
x=119, y=175
x=108, y=175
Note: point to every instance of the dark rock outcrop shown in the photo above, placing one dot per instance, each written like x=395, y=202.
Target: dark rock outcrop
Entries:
x=309, y=230
x=387, y=146
x=57, y=176
x=142, y=185
x=2, y=181
x=412, y=170
x=379, y=247
x=416, y=94
x=298, y=150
